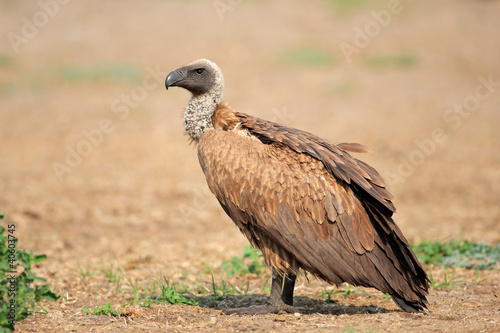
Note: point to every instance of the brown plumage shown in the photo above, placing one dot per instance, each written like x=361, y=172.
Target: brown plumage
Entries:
x=304, y=202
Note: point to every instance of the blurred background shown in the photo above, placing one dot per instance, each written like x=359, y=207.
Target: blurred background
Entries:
x=94, y=162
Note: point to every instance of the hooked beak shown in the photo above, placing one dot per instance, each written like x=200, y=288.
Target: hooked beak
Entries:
x=174, y=77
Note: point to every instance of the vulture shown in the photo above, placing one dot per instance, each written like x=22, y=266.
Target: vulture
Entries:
x=304, y=202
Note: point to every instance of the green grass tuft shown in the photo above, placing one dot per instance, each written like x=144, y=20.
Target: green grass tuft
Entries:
x=449, y=281
x=403, y=60
x=308, y=56
x=6, y=60
x=28, y=289
x=464, y=254
x=85, y=272
x=170, y=292
x=252, y=262
x=117, y=72
x=347, y=6
x=164, y=291
x=103, y=310
x=114, y=275
x=328, y=294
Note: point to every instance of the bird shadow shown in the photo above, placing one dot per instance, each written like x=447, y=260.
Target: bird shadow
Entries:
x=305, y=305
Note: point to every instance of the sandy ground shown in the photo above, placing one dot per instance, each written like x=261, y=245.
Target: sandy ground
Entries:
x=97, y=173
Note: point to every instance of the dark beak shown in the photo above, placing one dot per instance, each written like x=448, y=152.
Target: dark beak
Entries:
x=174, y=77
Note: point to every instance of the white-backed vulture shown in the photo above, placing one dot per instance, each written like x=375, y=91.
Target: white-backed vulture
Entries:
x=303, y=201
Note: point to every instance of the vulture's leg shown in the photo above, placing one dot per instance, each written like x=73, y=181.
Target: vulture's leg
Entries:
x=280, y=299
x=288, y=286
x=282, y=289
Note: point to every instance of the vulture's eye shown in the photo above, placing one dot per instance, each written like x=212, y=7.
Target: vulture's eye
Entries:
x=200, y=71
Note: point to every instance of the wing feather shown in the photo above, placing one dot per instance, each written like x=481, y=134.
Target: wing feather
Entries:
x=336, y=160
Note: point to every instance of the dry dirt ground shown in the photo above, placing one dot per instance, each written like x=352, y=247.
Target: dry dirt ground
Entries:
x=95, y=170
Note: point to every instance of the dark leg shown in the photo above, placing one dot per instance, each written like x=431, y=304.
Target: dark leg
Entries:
x=280, y=299
x=288, y=286
x=276, y=288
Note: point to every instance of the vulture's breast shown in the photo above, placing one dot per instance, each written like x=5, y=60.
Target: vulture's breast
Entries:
x=244, y=172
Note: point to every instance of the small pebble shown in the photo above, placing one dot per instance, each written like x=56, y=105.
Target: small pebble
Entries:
x=280, y=318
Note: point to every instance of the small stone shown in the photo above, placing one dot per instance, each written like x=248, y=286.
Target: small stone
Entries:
x=280, y=318
x=297, y=315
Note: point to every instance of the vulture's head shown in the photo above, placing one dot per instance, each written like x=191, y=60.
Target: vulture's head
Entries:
x=199, y=77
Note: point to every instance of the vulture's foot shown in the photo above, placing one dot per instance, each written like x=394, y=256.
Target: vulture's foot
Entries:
x=262, y=309
x=280, y=299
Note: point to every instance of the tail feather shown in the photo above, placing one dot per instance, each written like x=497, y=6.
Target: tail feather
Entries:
x=409, y=306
